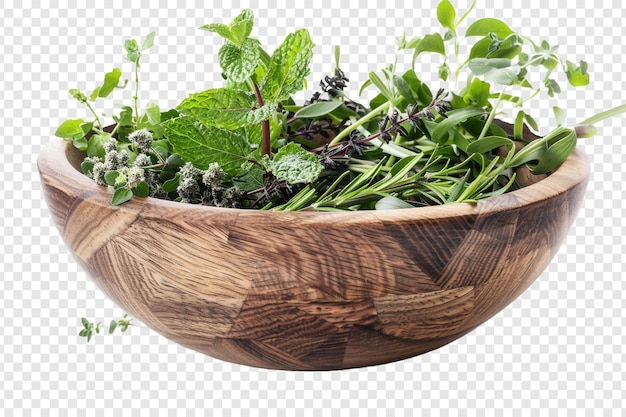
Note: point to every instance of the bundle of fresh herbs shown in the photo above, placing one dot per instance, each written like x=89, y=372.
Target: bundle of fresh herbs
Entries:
x=249, y=145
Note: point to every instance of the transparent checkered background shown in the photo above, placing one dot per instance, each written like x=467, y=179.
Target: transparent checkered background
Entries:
x=557, y=350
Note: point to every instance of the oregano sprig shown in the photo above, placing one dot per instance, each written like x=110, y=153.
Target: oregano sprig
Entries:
x=90, y=329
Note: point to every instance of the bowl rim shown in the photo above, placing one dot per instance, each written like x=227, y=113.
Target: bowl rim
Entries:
x=59, y=161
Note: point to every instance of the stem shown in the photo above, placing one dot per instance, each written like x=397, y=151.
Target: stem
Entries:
x=136, y=97
x=266, y=147
x=369, y=116
x=95, y=115
x=492, y=115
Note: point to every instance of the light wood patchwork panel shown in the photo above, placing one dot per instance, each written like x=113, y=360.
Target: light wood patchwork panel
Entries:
x=306, y=290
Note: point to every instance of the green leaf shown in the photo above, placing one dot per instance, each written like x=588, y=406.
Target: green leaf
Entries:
x=392, y=203
x=556, y=153
x=71, y=129
x=96, y=145
x=378, y=82
x=446, y=15
x=132, y=50
x=111, y=80
x=318, y=109
x=141, y=190
x=78, y=95
x=241, y=26
x=489, y=143
x=202, y=145
x=87, y=167
x=237, y=63
x=288, y=68
x=454, y=117
x=577, y=76
x=295, y=165
x=487, y=25
x=85, y=322
x=225, y=108
x=478, y=93
x=552, y=86
x=112, y=326
x=494, y=69
x=430, y=43
x=559, y=115
x=121, y=195
x=110, y=177
x=604, y=115
x=148, y=42
x=403, y=88
x=172, y=184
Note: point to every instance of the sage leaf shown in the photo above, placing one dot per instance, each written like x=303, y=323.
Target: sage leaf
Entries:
x=295, y=165
x=237, y=63
x=288, y=67
x=318, y=109
x=392, y=203
x=225, y=108
x=202, y=145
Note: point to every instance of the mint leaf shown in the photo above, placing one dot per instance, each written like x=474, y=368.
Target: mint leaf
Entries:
x=225, y=108
x=239, y=64
x=288, y=67
x=237, y=31
x=241, y=26
x=295, y=165
x=202, y=145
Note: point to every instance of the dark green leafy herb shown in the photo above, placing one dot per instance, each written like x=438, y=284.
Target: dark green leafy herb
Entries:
x=248, y=144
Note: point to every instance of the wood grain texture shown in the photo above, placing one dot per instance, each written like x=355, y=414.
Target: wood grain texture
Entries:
x=306, y=290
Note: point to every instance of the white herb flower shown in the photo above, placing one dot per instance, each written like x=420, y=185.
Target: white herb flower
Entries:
x=189, y=171
x=134, y=175
x=116, y=160
x=142, y=139
x=213, y=176
x=110, y=146
x=188, y=190
x=98, y=171
x=142, y=160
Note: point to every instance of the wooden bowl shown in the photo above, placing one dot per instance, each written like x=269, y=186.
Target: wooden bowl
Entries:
x=308, y=290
